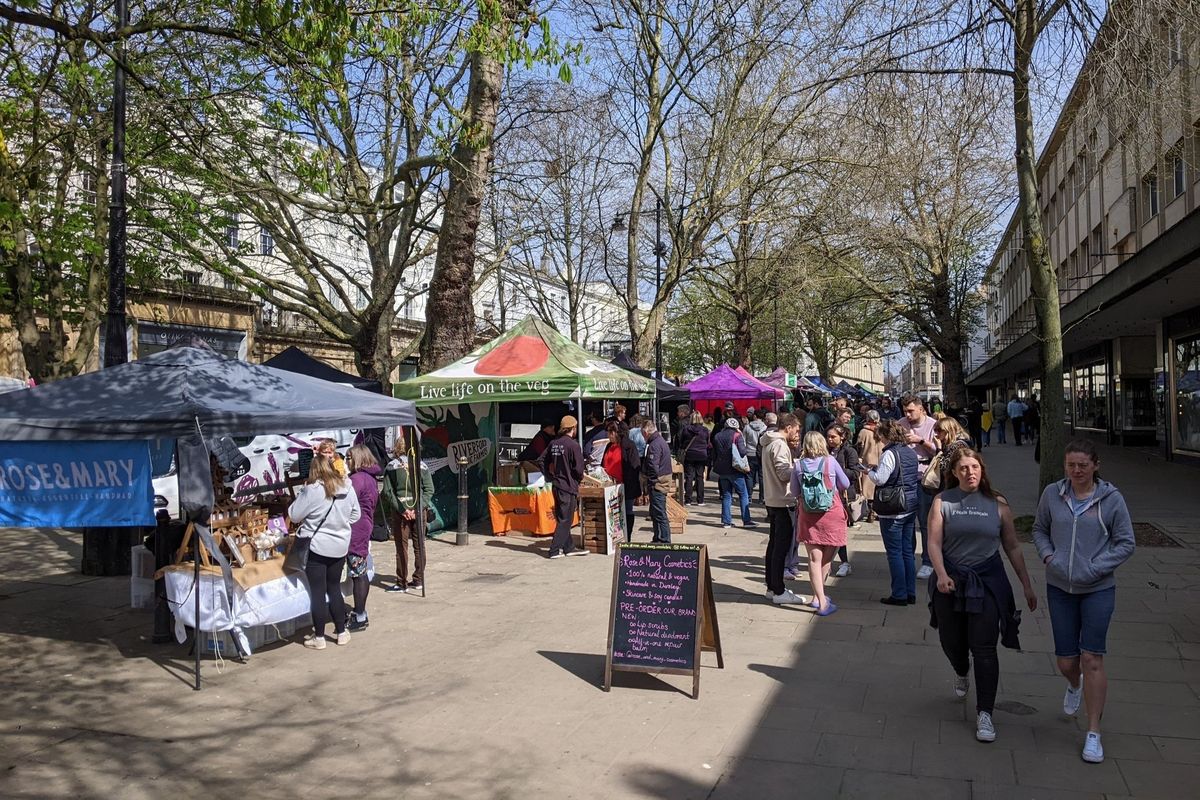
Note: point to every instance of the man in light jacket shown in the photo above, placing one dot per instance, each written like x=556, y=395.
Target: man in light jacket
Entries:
x=776, y=455
x=1016, y=413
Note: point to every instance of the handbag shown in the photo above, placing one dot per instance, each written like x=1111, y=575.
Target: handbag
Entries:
x=296, y=559
x=740, y=462
x=890, y=498
x=931, y=481
x=382, y=531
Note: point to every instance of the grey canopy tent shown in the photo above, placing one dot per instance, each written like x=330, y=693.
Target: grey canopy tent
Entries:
x=294, y=359
x=190, y=394
x=667, y=392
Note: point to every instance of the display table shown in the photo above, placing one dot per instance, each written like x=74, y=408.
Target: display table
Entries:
x=261, y=594
x=529, y=509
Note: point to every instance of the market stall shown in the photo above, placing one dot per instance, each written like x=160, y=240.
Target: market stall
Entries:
x=667, y=395
x=724, y=384
x=530, y=363
x=779, y=394
x=192, y=395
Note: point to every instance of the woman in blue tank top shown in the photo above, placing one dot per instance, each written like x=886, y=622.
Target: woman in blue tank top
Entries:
x=971, y=601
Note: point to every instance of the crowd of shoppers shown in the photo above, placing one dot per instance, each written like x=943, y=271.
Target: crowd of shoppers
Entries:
x=819, y=476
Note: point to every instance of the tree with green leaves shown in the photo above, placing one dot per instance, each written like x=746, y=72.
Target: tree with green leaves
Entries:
x=1027, y=44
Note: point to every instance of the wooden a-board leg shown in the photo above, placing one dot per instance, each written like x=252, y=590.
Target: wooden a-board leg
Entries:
x=711, y=609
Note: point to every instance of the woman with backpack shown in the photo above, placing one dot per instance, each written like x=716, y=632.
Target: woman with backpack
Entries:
x=896, y=504
x=731, y=468
x=817, y=480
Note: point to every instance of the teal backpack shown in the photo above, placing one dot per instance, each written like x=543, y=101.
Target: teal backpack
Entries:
x=816, y=495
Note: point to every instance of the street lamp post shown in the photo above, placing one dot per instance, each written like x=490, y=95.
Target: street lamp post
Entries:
x=660, y=250
x=775, y=311
x=115, y=349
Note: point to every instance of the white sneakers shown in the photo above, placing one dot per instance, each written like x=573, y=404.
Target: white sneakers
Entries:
x=343, y=638
x=843, y=570
x=314, y=642
x=1071, y=699
x=1093, y=751
x=924, y=572
x=985, y=731
x=788, y=597
x=962, y=685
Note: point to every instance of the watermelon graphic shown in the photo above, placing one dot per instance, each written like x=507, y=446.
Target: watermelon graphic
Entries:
x=520, y=355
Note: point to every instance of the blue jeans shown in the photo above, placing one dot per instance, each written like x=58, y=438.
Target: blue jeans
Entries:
x=658, y=516
x=898, y=542
x=1000, y=431
x=1080, y=621
x=728, y=484
x=925, y=502
x=755, y=477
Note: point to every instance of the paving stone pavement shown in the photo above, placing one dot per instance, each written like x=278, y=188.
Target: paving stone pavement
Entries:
x=490, y=686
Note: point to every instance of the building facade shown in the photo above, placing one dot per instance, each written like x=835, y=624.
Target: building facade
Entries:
x=1123, y=229
x=866, y=371
x=921, y=376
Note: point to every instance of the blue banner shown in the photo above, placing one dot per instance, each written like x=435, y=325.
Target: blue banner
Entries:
x=75, y=484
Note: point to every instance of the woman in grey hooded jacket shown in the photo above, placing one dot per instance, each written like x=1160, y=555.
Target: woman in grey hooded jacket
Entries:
x=1083, y=533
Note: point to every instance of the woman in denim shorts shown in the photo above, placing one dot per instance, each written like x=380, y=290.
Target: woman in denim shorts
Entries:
x=1083, y=533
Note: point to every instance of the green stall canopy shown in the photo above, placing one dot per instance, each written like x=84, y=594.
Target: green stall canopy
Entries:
x=532, y=361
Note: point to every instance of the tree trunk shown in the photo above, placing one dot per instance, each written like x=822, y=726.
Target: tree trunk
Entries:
x=954, y=387
x=450, y=315
x=742, y=339
x=1042, y=277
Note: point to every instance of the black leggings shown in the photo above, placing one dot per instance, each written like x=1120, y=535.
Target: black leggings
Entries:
x=973, y=635
x=362, y=585
x=693, y=480
x=325, y=579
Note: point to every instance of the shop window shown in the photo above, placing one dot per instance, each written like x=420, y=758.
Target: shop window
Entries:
x=1187, y=394
x=1091, y=397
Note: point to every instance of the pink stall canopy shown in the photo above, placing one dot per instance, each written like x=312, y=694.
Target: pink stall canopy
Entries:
x=744, y=373
x=724, y=384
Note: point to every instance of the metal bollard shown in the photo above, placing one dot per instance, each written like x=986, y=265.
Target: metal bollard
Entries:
x=461, y=537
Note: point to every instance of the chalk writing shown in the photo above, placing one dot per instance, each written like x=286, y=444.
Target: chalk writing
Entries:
x=657, y=588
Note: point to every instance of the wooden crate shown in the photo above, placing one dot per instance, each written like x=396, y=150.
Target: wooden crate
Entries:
x=676, y=516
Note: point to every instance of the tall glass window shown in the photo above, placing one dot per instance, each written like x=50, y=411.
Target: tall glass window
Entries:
x=1187, y=394
x=1091, y=397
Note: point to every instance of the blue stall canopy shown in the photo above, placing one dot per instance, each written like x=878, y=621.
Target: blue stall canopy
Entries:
x=819, y=384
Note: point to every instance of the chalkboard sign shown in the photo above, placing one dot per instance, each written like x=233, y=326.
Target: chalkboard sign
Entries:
x=662, y=614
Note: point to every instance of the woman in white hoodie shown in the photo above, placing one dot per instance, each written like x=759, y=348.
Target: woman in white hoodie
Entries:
x=325, y=509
